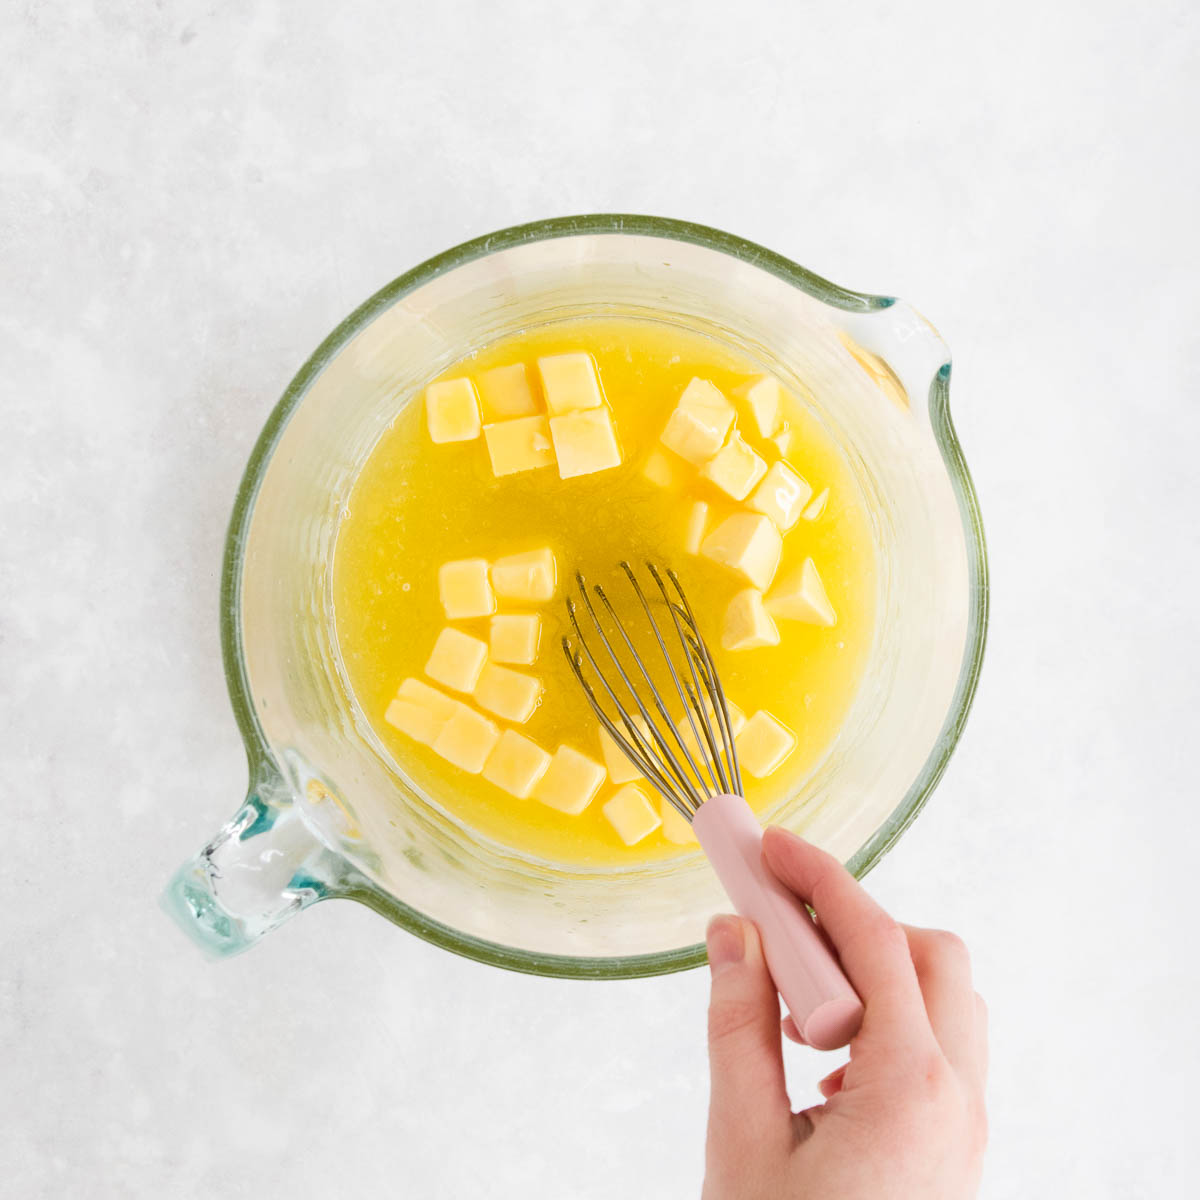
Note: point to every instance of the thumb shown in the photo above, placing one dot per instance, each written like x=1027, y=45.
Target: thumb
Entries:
x=749, y=1103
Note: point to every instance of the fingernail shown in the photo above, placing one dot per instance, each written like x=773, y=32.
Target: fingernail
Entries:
x=726, y=943
x=778, y=831
x=832, y=1083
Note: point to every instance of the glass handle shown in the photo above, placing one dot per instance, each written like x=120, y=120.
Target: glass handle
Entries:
x=261, y=868
x=900, y=350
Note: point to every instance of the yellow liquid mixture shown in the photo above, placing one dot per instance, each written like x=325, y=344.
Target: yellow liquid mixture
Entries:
x=417, y=505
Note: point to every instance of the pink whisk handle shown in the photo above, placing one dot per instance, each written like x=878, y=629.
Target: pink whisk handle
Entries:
x=823, y=1005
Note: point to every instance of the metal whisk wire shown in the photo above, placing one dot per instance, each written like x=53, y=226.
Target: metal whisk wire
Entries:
x=701, y=778
x=652, y=740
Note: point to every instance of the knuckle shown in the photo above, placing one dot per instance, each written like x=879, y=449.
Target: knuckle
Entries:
x=951, y=946
x=730, y=1019
x=932, y=1079
x=824, y=880
x=935, y=1070
x=885, y=936
x=878, y=934
x=946, y=951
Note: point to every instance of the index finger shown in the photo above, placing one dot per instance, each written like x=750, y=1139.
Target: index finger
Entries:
x=872, y=946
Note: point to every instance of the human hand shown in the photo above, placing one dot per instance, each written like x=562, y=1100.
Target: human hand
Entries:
x=904, y=1119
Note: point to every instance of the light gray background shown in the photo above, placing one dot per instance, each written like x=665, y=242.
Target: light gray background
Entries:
x=195, y=193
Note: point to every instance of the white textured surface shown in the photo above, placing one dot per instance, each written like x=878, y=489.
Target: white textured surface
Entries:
x=194, y=194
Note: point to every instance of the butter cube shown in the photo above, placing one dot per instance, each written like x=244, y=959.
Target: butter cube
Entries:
x=697, y=523
x=697, y=747
x=504, y=393
x=570, y=782
x=418, y=722
x=620, y=768
x=451, y=411
x=737, y=719
x=763, y=744
x=735, y=468
x=456, y=660
x=763, y=400
x=585, y=442
x=817, y=507
x=781, y=496
x=516, y=764
x=526, y=577
x=417, y=691
x=514, y=637
x=467, y=739
x=522, y=444
x=464, y=589
x=801, y=596
x=631, y=814
x=510, y=694
x=782, y=441
x=665, y=469
x=675, y=826
x=569, y=382
x=747, y=624
x=696, y=429
x=747, y=543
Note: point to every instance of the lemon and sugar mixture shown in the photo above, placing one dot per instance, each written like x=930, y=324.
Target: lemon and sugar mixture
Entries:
x=569, y=448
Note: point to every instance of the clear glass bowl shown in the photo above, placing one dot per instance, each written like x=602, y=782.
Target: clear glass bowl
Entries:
x=325, y=817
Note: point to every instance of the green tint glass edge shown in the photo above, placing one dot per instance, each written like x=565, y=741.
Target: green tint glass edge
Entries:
x=260, y=761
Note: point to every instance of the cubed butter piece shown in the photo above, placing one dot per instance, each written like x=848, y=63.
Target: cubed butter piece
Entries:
x=464, y=588
x=736, y=720
x=763, y=400
x=631, y=814
x=522, y=444
x=452, y=411
x=747, y=543
x=675, y=826
x=584, y=442
x=514, y=637
x=529, y=578
x=781, y=496
x=570, y=781
x=504, y=393
x=467, y=739
x=418, y=722
x=697, y=524
x=817, y=506
x=510, y=694
x=735, y=468
x=696, y=429
x=569, y=382
x=516, y=764
x=456, y=660
x=763, y=744
x=747, y=623
x=417, y=691
x=665, y=469
x=697, y=747
x=620, y=767
x=782, y=441
x=801, y=596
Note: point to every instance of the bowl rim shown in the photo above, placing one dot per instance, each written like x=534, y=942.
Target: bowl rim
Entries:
x=261, y=760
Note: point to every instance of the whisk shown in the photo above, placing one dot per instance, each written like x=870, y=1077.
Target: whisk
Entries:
x=701, y=778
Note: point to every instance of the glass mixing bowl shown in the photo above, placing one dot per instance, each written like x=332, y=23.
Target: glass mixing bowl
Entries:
x=327, y=817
